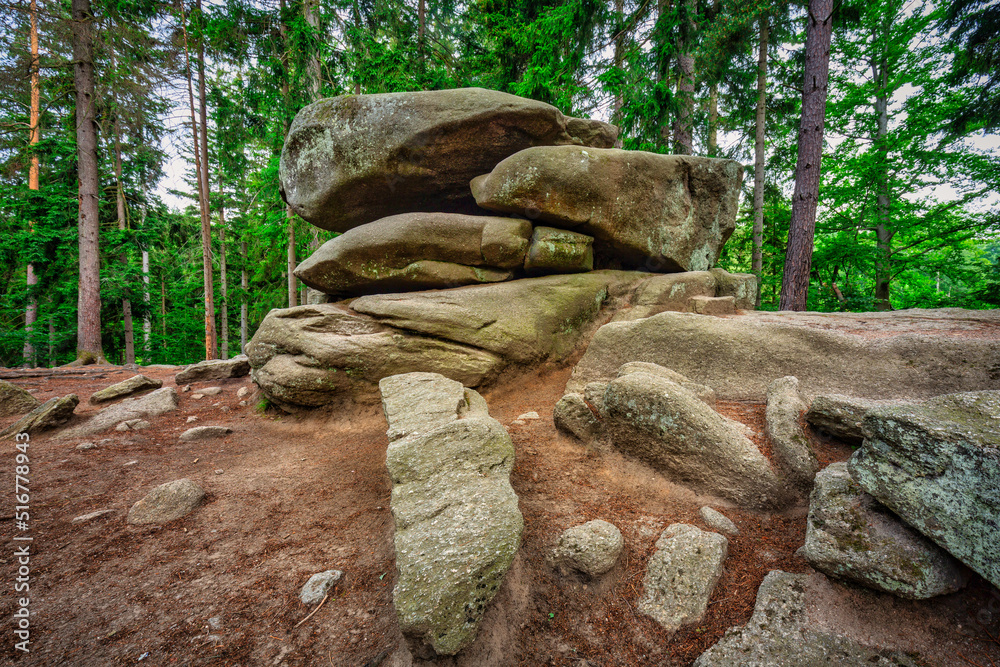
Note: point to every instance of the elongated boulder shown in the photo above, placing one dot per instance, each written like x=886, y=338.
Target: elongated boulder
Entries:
x=850, y=535
x=153, y=404
x=167, y=502
x=14, y=400
x=457, y=523
x=353, y=159
x=740, y=356
x=937, y=465
x=416, y=251
x=133, y=385
x=682, y=575
x=784, y=428
x=668, y=427
x=309, y=356
x=841, y=416
x=214, y=369
x=49, y=415
x=660, y=213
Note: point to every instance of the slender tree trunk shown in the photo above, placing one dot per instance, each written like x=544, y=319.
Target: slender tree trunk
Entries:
x=683, y=139
x=421, y=31
x=35, y=135
x=759, y=156
x=798, y=255
x=289, y=214
x=713, y=108
x=52, y=333
x=883, y=228
x=147, y=322
x=211, y=339
x=223, y=284
x=244, y=283
x=619, y=40
x=663, y=62
x=88, y=346
x=120, y=206
x=163, y=312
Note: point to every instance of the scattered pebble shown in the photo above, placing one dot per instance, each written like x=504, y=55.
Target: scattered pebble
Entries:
x=130, y=463
x=529, y=415
x=319, y=585
x=519, y=422
x=192, y=419
x=210, y=391
x=86, y=445
x=243, y=391
x=186, y=388
x=93, y=515
x=197, y=396
x=718, y=521
x=218, y=471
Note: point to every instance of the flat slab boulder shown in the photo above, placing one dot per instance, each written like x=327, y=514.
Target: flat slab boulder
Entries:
x=14, y=400
x=902, y=354
x=129, y=387
x=51, y=414
x=153, y=404
x=457, y=523
x=682, y=575
x=309, y=356
x=214, y=369
x=660, y=213
x=937, y=465
x=416, y=251
x=781, y=634
x=668, y=427
x=167, y=502
x=353, y=159
x=841, y=416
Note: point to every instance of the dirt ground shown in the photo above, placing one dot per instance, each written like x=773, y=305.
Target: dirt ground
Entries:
x=289, y=496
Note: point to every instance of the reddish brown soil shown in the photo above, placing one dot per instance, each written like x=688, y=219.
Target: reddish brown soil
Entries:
x=293, y=495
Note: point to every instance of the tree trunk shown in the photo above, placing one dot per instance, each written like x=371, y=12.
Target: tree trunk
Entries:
x=421, y=29
x=663, y=61
x=883, y=226
x=120, y=206
x=289, y=214
x=683, y=139
x=759, y=156
x=211, y=339
x=243, y=303
x=798, y=254
x=88, y=346
x=619, y=39
x=35, y=134
x=223, y=284
x=713, y=108
x=147, y=322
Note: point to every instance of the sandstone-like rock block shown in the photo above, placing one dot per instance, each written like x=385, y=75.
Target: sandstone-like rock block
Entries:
x=167, y=502
x=682, y=574
x=133, y=385
x=49, y=415
x=718, y=521
x=841, y=416
x=591, y=548
x=780, y=634
x=782, y=423
x=416, y=251
x=214, y=369
x=14, y=400
x=458, y=526
x=155, y=403
x=353, y=159
x=559, y=251
x=937, y=465
x=661, y=213
x=668, y=427
x=574, y=416
x=850, y=535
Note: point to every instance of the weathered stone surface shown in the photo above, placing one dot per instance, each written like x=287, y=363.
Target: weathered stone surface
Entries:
x=828, y=352
x=14, y=400
x=51, y=414
x=214, y=369
x=312, y=355
x=155, y=403
x=841, y=416
x=522, y=321
x=677, y=291
x=418, y=402
x=669, y=428
x=706, y=394
x=682, y=574
x=850, y=535
x=457, y=521
x=167, y=502
x=205, y=433
x=660, y=213
x=779, y=634
x=587, y=132
x=572, y=415
x=783, y=427
x=591, y=548
x=718, y=521
x=741, y=286
x=415, y=251
x=318, y=586
x=559, y=251
x=133, y=385
x=937, y=465
x=713, y=305
x=352, y=159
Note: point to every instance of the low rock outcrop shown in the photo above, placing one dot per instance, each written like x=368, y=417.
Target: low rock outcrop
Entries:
x=49, y=415
x=841, y=416
x=458, y=526
x=14, y=400
x=167, y=502
x=155, y=403
x=214, y=369
x=779, y=634
x=652, y=212
x=850, y=535
x=937, y=465
x=682, y=574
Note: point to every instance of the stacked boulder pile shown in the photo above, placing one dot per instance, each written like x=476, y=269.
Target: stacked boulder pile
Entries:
x=477, y=230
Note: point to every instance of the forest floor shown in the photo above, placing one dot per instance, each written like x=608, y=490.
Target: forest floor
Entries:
x=289, y=496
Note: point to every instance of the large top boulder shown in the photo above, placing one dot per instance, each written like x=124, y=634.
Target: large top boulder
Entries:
x=353, y=159
x=661, y=213
x=415, y=251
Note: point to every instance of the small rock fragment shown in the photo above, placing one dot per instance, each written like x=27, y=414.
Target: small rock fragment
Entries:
x=318, y=586
x=205, y=433
x=167, y=502
x=718, y=521
x=592, y=548
x=86, y=445
x=83, y=518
